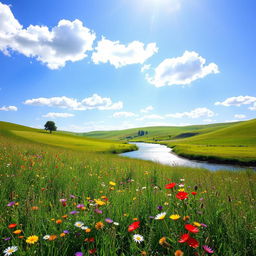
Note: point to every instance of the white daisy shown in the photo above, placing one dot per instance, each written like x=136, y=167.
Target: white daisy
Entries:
x=116, y=223
x=79, y=224
x=160, y=216
x=10, y=250
x=84, y=227
x=46, y=237
x=138, y=238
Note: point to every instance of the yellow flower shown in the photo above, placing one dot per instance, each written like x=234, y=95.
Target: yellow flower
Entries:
x=99, y=225
x=162, y=240
x=17, y=232
x=32, y=239
x=88, y=230
x=175, y=216
x=112, y=183
x=99, y=202
x=62, y=234
x=197, y=224
x=135, y=218
x=181, y=189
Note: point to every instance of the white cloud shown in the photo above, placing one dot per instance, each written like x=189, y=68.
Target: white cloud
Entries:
x=253, y=107
x=68, y=41
x=8, y=108
x=145, y=67
x=147, y=109
x=240, y=116
x=237, y=101
x=120, y=55
x=93, y=102
x=195, y=113
x=54, y=115
x=181, y=70
x=153, y=116
x=124, y=114
x=209, y=120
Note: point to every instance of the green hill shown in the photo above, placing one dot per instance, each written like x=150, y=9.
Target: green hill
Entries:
x=62, y=139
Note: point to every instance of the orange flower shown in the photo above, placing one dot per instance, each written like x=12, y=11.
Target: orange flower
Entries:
x=162, y=240
x=62, y=234
x=52, y=237
x=17, y=232
x=64, y=216
x=58, y=221
x=179, y=253
x=99, y=225
x=34, y=208
x=88, y=230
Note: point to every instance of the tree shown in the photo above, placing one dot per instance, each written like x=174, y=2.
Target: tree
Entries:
x=50, y=126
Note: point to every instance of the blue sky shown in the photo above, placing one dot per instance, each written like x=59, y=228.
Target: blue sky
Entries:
x=116, y=64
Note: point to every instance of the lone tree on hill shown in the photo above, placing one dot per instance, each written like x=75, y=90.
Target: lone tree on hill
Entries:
x=50, y=126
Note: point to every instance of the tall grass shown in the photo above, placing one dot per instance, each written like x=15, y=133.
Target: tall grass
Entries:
x=36, y=177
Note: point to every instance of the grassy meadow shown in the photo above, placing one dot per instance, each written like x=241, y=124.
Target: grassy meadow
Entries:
x=66, y=201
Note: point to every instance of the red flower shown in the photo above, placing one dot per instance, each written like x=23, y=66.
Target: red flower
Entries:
x=184, y=238
x=191, y=228
x=134, y=226
x=192, y=242
x=12, y=225
x=193, y=193
x=182, y=195
x=171, y=185
x=92, y=251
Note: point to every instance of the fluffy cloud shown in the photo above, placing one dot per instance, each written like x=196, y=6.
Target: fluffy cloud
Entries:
x=181, y=70
x=54, y=115
x=239, y=116
x=68, y=41
x=195, y=113
x=120, y=55
x=124, y=114
x=253, y=107
x=147, y=109
x=9, y=108
x=237, y=101
x=153, y=116
x=93, y=102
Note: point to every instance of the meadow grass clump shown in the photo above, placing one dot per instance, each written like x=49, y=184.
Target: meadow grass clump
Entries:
x=61, y=202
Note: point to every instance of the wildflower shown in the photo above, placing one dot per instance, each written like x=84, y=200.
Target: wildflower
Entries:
x=10, y=250
x=108, y=220
x=58, y=221
x=65, y=231
x=80, y=206
x=138, y=238
x=46, y=237
x=79, y=254
x=52, y=237
x=32, y=239
x=160, y=208
x=73, y=212
x=98, y=211
x=17, y=232
x=11, y=204
x=208, y=249
x=92, y=251
x=197, y=224
x=191, y=228
x=116, y=223
x=88, y=230
x=175, y=216
x=99, y=225
x=184, y=238
x=182, y=179
x=62, y=234
x=64, y=216
x=192, y=242
x=193, y=193
x=99, y=202
x=160, y=216
x=79, y=224
x=179, y=253
x=90, y=239
x=134, y=226
x=84, y=227
x=162, y=240
x=182, y=195
x=12, y=225
x=143, y=253
x=112, y=183
x=186, y=218
x=34, y=208
x=181, y=185
x=171, y=185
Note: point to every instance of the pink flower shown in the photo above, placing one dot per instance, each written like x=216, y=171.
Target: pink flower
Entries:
x=208, y=249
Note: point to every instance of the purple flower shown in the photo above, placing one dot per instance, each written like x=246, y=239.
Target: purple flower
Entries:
x=160, y=208
x=151, y=217
x=108, y=220
x=73, y=212
x=98, y=211
x=208, y=249
x=7, y=239
x=11, y=203
x=80, y=206
x=62, y=200
x=72, y=196
x=79, y=254
x=204, y=225
x=65, y=231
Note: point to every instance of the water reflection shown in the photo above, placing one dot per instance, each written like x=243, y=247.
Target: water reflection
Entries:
x=163, y=154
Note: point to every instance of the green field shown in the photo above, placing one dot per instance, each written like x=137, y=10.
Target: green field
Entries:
x=225, y=142
x=65, y=140
x=46, y=190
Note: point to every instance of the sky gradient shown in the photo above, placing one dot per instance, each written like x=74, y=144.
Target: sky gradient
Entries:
x=116, y=64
